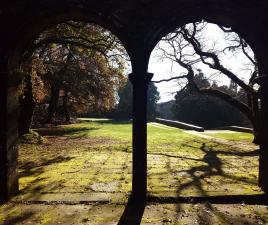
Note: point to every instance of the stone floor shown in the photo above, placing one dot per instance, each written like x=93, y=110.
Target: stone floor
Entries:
x=100, y=213
x=82, y=181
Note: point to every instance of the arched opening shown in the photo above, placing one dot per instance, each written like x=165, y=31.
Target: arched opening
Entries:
x=202, y=71
x=73, y=69
x=140, y=25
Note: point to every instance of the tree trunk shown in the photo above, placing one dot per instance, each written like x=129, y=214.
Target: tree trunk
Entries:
x=53, y=103
x=27, y=105
x=65, y=108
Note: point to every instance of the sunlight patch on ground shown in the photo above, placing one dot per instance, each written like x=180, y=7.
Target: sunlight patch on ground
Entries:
x=91, y=156
x=92, y=161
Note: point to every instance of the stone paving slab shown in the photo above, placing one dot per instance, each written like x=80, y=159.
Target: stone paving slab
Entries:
x=153, y=214
x=71, y=197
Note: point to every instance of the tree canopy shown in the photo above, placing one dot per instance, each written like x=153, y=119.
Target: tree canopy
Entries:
x=79, y=63
x=124, y=108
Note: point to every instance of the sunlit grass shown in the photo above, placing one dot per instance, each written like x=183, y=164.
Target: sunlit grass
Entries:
x=96, y=156
x=233, y=136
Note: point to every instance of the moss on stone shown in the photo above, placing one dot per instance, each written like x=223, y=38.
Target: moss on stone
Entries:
x=32, y=138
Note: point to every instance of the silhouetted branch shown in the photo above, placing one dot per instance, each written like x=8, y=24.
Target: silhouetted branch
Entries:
x=227, y=98
x=170, y=79
x=216, y=62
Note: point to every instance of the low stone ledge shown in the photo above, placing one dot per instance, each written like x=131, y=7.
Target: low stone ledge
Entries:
x=178, y=124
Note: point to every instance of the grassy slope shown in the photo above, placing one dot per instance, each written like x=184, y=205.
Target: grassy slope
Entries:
x=96, y=156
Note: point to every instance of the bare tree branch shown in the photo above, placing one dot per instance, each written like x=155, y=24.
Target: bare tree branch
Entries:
x=216, y=62
x=227, y=98
x=170, y=79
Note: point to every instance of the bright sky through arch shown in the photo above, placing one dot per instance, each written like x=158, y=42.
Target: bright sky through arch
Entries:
x=212, y=35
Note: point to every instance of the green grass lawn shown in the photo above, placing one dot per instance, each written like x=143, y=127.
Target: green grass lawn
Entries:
x=95, y=156
x=233, y=136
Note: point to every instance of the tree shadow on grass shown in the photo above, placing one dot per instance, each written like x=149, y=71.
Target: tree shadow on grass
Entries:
x=106, y=121
x=214, y=145
x=33, y=189
x=115, y=122
x=18, y=219
x=61, y=131
x=213, y=162
x=31, y=168
x=199, y=173
x=213, y=167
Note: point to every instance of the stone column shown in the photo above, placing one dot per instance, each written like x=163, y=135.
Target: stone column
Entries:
x=140, y=80
x=258, y=40
x=263, y=160
x=9, y=110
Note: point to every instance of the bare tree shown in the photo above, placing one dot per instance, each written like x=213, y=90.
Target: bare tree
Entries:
x=188, y=48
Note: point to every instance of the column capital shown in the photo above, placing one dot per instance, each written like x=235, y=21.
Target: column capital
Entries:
x=134, y=78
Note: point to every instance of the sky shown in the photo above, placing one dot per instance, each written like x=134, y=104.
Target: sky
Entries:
x=212, y=36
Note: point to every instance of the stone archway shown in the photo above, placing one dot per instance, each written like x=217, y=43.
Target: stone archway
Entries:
x=10, y=85
x=241, y=18
x=139, y=25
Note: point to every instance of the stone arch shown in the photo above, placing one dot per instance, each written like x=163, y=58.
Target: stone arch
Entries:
x=139, y=25
x=252, y=30
x=239, y=15
x=10, y=84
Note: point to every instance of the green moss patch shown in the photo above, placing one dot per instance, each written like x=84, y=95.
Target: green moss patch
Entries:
x=32, y=138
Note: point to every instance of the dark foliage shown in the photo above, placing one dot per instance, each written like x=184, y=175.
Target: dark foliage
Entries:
x=207, y=111
x=124, y=109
